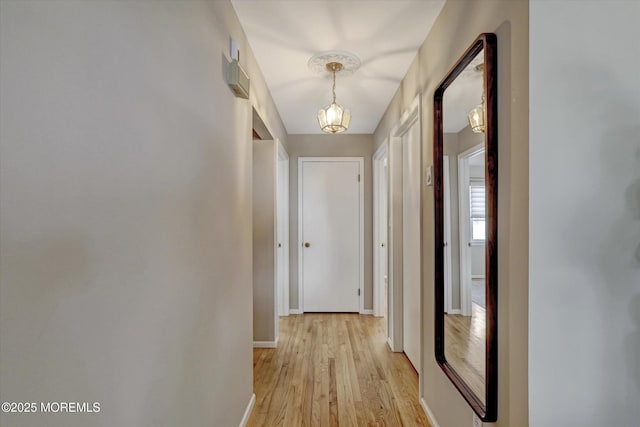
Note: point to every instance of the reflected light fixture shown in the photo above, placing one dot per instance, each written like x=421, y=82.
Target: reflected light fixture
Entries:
x=477, y=114
x=476, y=117
x=334, y=118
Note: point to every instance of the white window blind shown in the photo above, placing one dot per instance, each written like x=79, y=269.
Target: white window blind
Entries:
x=478, y=210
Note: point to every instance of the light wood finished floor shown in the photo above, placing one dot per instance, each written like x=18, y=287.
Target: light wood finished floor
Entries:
x=464, y=344
x=334, y=370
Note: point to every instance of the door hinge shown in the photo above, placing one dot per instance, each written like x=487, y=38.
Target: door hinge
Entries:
x=358, y=291
x=358, y=177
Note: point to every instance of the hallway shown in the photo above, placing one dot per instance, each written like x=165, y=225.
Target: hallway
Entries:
x=155, y=218
x=334, y=369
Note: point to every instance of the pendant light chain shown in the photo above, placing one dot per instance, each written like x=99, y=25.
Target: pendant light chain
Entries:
x=334, y=86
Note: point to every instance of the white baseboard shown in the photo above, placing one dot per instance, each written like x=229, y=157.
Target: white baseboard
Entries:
x=297, y=311
x=390, y=342
x=455, y=311
x=247, y=412
x=428, y=413
x=265, y=344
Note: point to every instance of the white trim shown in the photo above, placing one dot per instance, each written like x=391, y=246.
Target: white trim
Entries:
x=390, y=343
x=265, y=344
x=394, y=250
x=407, y=119
x=429, y=413
x=477, y=277
x=448, y=283
x=380, y=216
x=360, y=161
x=282, y=152
x=295, y=311
x=247, y=412
x=367, y=311
x=282, y=301
x=463, y=227
x=276, y=285
x=454, y=311
x=300, y=239
x=361, y=249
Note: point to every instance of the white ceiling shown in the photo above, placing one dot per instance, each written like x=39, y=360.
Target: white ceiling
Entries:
x=384, y=34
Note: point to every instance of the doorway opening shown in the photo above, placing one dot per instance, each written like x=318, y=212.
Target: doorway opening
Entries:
x=405, y=236
x=267, y=257
x=472, y=227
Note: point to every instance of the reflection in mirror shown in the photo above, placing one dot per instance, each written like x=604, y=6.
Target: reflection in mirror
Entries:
x=466, y=218
x=465, y=238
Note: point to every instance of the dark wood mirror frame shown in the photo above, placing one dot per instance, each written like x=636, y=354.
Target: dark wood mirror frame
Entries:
x=487, y=411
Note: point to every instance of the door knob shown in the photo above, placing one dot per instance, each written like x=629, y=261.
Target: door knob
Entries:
x=307, y=244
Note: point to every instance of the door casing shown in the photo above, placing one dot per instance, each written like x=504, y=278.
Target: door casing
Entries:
x=282, y=226
x=380, y=230
x=463, y=227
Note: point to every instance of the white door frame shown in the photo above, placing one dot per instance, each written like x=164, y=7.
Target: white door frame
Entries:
x=282, y=238
x=360, y=161
x=395, y=164
x=448, y=297
x=464, y=232
x=380, y=215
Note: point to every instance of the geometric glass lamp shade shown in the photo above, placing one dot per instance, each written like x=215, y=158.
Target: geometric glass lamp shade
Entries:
x=476, y=118
x=333, y=118
x=477, y=115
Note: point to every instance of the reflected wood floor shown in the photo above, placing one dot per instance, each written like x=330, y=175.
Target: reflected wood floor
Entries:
x=334, y=370
x=465, y=347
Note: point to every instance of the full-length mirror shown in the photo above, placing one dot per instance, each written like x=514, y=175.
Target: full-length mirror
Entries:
x=465, y=188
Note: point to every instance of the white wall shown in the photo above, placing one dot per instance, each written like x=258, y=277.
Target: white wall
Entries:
x=454, y=30
x=125, y=212
x=584, y=279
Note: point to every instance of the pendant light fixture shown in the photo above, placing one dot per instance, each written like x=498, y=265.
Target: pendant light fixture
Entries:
x=478, y=113
x=476, y=117
x=334, y=118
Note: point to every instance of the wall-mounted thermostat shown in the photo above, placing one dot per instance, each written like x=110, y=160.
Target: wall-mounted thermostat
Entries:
x=238, y=80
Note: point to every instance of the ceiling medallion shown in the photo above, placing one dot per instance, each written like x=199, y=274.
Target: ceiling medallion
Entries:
x=318, y=62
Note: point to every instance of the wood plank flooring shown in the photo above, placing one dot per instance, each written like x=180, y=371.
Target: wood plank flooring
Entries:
x=334, y=370
x=465, y=347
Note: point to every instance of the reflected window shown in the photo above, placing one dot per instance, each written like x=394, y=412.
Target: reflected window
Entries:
x=478, y=209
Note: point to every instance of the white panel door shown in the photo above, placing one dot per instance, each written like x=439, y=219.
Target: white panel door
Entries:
x=411, y=243
x=330, y=221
